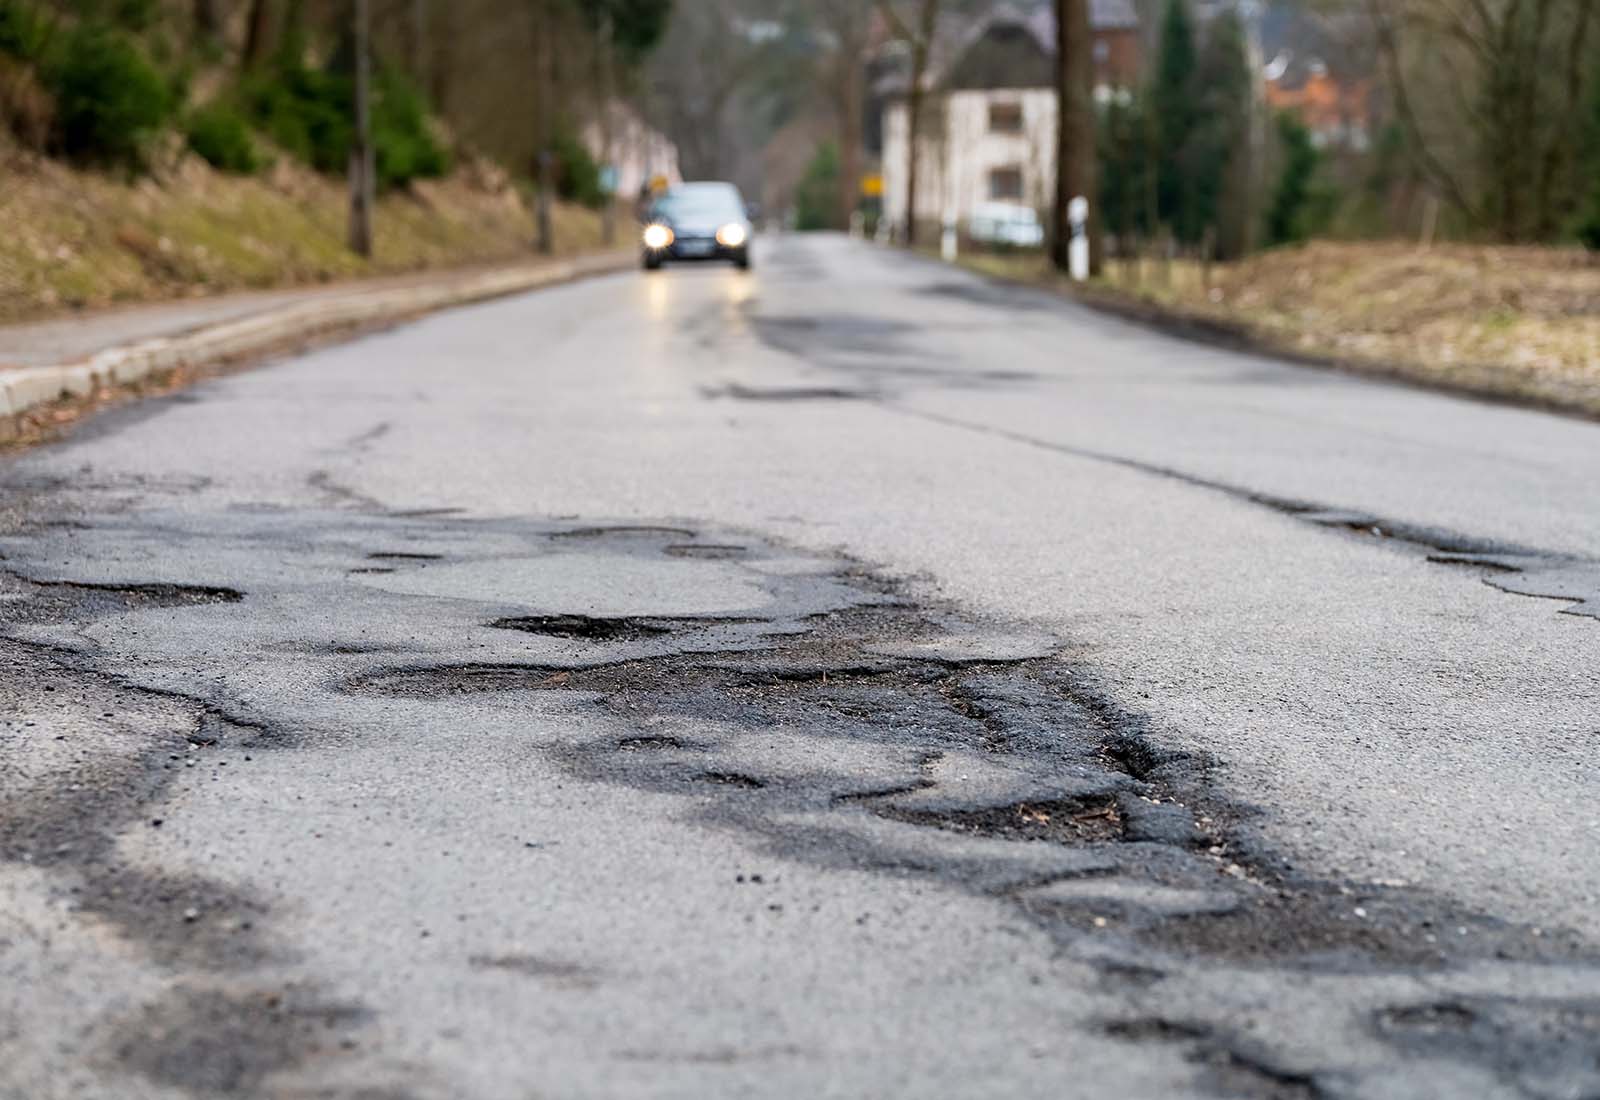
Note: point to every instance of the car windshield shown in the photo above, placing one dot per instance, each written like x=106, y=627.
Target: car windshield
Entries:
x=699, y=205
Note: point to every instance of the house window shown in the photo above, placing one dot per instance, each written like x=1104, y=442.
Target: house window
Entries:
x=1005, y=184
x=1005, y=118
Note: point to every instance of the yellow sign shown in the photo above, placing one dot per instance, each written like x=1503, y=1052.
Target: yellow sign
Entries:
x=872, y=185
x=659, y=184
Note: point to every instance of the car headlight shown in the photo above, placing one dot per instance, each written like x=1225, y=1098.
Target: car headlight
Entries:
x=657, y=236
x=731, y=235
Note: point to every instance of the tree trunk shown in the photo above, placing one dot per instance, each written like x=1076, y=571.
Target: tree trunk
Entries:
x=922, y=41
x=258, y=32
x=442, y=58
x=361, y=153
x=207, y=19
x=545, y=62
x=1075, y=131
x=417, y=42
x=608, y=215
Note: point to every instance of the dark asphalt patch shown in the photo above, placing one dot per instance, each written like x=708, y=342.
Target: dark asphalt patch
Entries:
x=737, y=391
x=154, y=595
x=1016, y=751
x=867, y=737
x=211, y=1042
x=584, y=626
x=705, y=550
x=992, y=295
x=813, y=335
x=127, y=748
x=1553, y=1043
x=1521, y=570
x=559, y=973
x=625, y=531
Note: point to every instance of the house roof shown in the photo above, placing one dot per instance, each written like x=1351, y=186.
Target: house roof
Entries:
x=1104, y=15
x=1035, y=17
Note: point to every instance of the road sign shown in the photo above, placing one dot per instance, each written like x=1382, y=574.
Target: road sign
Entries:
x=608, y=179
x=872, y=185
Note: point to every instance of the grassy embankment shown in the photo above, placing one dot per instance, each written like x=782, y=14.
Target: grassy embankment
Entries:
x=71, y=239
x=1517, y=323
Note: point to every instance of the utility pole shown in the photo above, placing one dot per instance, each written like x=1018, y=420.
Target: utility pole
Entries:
x=1075, y=133
x=362, y=167
x=546, y=156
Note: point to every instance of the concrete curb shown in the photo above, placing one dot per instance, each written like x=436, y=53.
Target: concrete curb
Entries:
x=30, y=387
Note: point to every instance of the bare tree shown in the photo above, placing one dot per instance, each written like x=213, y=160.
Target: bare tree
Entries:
x=918, y=34
x=849, y=25
x=1489, y=94
x=703, y=64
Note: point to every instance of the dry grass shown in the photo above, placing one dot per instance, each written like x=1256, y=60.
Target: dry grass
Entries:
x=77, y=240
x=1522, y=323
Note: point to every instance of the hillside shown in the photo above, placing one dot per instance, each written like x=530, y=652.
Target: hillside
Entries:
x=1519, y=322
x=80, y=239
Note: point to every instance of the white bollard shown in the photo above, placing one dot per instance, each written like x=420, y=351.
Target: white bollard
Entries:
x=947, y=242
x=1078, y=246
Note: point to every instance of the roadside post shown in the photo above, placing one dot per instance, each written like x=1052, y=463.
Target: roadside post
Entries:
x=609, y=178
x=947, y=240
x=1078, y=247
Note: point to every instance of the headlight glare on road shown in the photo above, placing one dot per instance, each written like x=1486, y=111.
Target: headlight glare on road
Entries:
x=657, y=236
x=731, y=235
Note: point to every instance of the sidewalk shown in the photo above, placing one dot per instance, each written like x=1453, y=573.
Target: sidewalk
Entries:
x=74, y=357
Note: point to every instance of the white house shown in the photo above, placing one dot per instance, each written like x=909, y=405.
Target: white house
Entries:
x=988, y=131
x=638, y=150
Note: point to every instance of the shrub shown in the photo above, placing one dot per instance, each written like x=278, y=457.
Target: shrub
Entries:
x=135, y=15
x=1302, y=204
x=109, y=99
x=577, y=173
x=309, y=114
x=403, y=142
x=26, y=109
x=306, y=112
x=220, y=135
x=817, y=200
x=24, y=32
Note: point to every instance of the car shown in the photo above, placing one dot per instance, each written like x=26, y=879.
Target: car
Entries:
x=698, y=221
x=1006, y=224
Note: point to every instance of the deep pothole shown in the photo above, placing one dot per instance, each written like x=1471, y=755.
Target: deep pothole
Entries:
x=1017, y=753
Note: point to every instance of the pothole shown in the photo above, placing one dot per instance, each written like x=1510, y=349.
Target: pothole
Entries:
x=585, y=627
x=161, y=594
x=637, y=530
x=1059, y=822
x=704, y=550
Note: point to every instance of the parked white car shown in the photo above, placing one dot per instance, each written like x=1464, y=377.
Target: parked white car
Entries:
x=1006, y=223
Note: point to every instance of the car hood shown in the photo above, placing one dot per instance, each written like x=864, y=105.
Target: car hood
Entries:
x=700, y=227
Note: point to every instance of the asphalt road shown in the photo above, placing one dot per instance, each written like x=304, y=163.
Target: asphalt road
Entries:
x=849, y=679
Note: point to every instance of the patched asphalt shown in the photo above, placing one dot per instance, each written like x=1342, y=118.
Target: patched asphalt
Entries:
x=728, y=700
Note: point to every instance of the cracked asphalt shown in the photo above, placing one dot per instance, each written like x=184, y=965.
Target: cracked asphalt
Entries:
x=849, y=679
